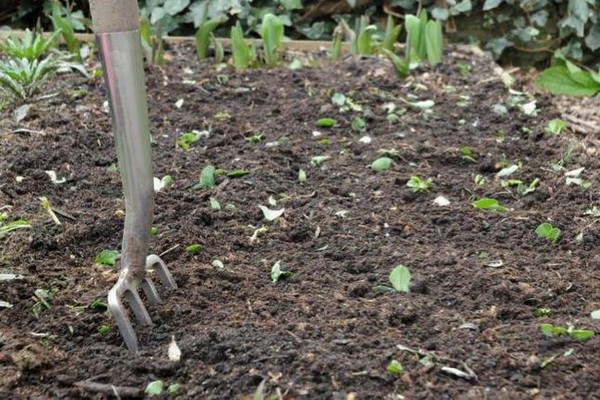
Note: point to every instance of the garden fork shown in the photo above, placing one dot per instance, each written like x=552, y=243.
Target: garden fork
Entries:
x=116, y=26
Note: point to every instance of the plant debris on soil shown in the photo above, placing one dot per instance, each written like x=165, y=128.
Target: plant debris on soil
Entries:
x=330, y=325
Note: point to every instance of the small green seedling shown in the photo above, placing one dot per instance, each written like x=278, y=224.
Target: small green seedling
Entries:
x=6, y=227
x=104, y=329
x=237, y=173
x=107, y=258
x=556, y=126
x=214, y=204
x=317, y=161
x=392, y=32
x=542, y=312
x=326, y=123
x=162, y=183
x=400, y=278
x=358, y=125
x=152, y=41
x=468, y=154
x=417, y=184
x=47, y=207
x=155, y=388
x=277, y=273
x=174, y=389
x=187, y=139
x=207, y=178
x=21, y=78
x=193, y=248
x=43, y=301
x=395, y=368
x=549, y=330
x=547, y=231
x=336, y=43
x=564, y=161
x=301, y=176
x=256, y=138
x=489, y=204
x=381, y=164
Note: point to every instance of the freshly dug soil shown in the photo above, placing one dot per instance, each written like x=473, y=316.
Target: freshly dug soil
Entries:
x=480, y=279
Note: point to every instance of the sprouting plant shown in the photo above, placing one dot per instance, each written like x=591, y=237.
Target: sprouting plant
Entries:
x=21, y=78
x=207, y=178
x=326, y=122
x=32, y=45
x=43, y=301
x=46, y=206
x=271, y=215
x=358, y=125
x=256, y=138
x=401, y=65
x=152, y=41
x=548, y=231
x=556, y=126
x=222, y=116
x=107, y=258
x=277, y=273
x=317, y=161
x=417, y=184
x=244, y=55
x=362, y=38
x=395, y=368
x=64, y=22
x=400, y=278
x=193, y=248
x=489, y=204
x=468, y=154
x=424, y=39
x=392, y=32
x=6, y=227
x=542, y=312
x=549, y=330
x=272, y=37
x=204, y=34
x=187, y=139
x=564, y=160
x=301, y=176
x=336, y=43
x=381, y=164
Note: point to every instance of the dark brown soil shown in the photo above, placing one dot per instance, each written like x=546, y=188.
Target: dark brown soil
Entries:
x=324, y=332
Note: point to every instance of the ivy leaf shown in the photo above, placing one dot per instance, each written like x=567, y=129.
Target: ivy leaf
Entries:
x=491, y=4
x=592, y=40
x=173, y=7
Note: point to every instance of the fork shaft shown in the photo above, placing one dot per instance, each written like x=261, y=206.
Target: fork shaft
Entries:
x=121, y=55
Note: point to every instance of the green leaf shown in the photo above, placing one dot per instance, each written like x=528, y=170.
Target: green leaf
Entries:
x=107, y=258
x=154, y=388
x=489, y=204
x=491, y=4
x=242, y=53
x=193, y=248
x=556, y=126
x=173, y=7
x=560, y=80
x=547, y=231
x=394, y=367
x=272, y=36
x=381, y=164
x=581, y=334
x=434, y=42
x=301, y=176
x=174, y=389
x=400, y=278
x=214, y=203
x=203, y=35
x=595, y=314
x=237, y=173
x=186, y=140
x=326, y=122
x=277, y=273
x=401, y=65
x=207, y=177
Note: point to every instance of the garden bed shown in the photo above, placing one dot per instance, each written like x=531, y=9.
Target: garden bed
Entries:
x=482, y=281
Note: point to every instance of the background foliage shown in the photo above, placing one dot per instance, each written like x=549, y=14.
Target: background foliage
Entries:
x=511, y=29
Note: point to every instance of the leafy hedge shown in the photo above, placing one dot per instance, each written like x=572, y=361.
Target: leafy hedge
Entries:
x=534, y=27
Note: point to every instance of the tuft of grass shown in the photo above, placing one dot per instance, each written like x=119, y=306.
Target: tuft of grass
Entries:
x=22, y=78
x=31, y=46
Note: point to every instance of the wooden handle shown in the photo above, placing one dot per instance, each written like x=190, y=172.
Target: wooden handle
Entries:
x=114, y=15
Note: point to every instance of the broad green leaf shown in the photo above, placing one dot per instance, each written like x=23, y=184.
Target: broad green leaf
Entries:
x=559, y=80
x=434, y=42
x=207, y=177
x=582, y=334
x=400, y=278
x=107, y=258
x=174, y=389
x=381, y=164
x=193, y=248
x=547, y=231
x=556, y=126
x=394, y=367
x=326, y=122
x=489, y=204
x=154, y=388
